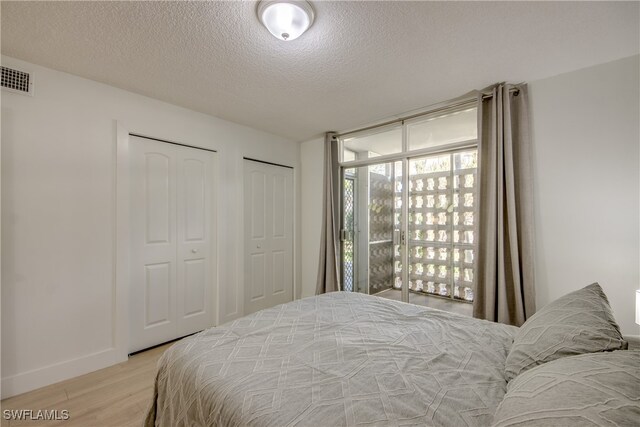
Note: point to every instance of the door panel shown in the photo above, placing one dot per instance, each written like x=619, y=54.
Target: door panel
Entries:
x=258, y=274
x=157, y=294
x=279, y=267
x=195, y=246
x=268, y=235
x=279, y=206
x=158, y=197
x=259, y=244
x=195, y=199
x=257, y=191
x=153, y=236
x=194, y=287
x=172, y=243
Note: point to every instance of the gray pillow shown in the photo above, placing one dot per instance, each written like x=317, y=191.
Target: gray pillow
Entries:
x=577, y=323
x=601, y=389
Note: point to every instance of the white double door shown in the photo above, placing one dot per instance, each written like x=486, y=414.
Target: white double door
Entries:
x=268, y=217
x=172, y=247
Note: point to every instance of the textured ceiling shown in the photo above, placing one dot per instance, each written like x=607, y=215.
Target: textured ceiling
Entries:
x=359, y=62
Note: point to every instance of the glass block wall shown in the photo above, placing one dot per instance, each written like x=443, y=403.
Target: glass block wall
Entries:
x=442, y=224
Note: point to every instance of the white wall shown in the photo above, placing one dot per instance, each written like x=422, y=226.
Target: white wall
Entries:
x=311, y=165
x=58, y=217
x=586, y=164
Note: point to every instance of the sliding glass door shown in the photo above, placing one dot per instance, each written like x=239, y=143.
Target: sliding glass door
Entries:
x=408, y=229
x=370, y=224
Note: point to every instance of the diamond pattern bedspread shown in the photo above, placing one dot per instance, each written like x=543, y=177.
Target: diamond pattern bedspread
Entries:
x=332, y=360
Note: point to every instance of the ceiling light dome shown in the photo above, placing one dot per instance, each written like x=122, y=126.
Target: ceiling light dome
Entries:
x=286, y=20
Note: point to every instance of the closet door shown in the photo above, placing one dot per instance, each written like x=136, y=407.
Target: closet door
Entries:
x=268, y=217
x=153, y=243
x=172, y=243
x=195, y=249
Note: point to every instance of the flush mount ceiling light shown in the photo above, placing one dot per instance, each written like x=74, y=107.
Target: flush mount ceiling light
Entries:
x=286, y=20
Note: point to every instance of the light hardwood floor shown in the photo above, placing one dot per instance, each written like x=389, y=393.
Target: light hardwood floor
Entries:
x=116, y=396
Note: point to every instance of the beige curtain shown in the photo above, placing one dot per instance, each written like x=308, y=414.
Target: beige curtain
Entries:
x=505, y=284
x=328, y=277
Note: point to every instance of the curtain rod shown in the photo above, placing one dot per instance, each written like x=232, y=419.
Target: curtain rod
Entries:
x=424, y=113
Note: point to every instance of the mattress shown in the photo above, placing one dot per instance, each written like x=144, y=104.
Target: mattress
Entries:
x=334, y=360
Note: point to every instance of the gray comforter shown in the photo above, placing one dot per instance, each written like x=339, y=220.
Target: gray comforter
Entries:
x=332, y=360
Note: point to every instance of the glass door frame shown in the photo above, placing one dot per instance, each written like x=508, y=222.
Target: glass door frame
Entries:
x=405, y=156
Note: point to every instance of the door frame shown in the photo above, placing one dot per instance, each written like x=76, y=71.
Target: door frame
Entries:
x=122, y=285
x=405, y=158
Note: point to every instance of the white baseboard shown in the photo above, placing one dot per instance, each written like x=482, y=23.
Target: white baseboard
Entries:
x=36, y=378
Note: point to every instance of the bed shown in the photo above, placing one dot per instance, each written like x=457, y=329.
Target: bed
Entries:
x=339, y=359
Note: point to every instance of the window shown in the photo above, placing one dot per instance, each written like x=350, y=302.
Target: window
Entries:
x=443, y=129
x=371, y=144
x=430, y=226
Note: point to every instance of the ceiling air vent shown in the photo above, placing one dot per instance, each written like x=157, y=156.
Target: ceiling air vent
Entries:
x=17, y=81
